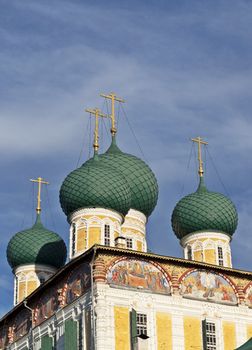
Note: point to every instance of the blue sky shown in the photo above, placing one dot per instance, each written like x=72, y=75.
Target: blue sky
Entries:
x=184, y=68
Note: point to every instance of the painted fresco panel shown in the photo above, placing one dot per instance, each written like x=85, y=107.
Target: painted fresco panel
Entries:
x=248, y=296
x=22, y=324
x=47, y=305
x=208, y=286
x=138, y=274
x=78, y=282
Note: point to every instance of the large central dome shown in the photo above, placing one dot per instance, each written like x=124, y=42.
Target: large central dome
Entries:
x=140, y=178
x=204, y=211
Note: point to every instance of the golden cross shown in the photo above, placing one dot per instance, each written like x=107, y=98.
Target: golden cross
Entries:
x=97, y=113
x=39, y=181
x=112, y=96
x=200, y=142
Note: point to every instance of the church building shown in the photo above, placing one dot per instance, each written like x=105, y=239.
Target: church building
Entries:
x=113, y=294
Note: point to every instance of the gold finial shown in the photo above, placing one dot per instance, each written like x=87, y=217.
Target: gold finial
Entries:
x=200, y=142
x=39, y=181
x=97, y=113
x=112, y=96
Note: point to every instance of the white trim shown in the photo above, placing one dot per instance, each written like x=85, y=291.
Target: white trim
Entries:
x=34, y=267
x=204, y=234
x=78, y=214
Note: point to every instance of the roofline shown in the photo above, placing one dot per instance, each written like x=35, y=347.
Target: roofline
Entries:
x=96, y=249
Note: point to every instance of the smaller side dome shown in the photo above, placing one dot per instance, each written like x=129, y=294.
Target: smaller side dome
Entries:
x=204, y=210
x=95, y=184
x=36, y=245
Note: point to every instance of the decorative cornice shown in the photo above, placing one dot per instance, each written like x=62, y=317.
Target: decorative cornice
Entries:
x=78, y=214
x=204, y=234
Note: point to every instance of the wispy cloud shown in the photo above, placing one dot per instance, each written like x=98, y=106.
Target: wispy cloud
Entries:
x=184, y=69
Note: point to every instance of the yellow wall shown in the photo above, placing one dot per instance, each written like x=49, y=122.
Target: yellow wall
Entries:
x=139, y=246
x=249, y=331
x=31, y=286
x=229, y=260
x=122, y=328
x=81, y=239
x=229, y=335
x=164, y=331
x=192, y=333
x=132, y=230
x=94, y=236
x=197, y=255
x=210, y=256
x=21, y=291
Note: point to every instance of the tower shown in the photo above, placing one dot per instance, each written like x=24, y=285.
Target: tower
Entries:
x=34, y=254
x=109, y=198
x=205, y=221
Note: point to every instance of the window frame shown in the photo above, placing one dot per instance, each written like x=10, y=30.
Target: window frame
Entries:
x=129, y=240
x=107, y=235
x=220, y=255
x=210, y=335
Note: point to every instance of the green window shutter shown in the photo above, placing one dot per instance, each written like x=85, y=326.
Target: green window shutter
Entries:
x=133, y=329
x=71, y=335
x=204, y=334
x=46, y=343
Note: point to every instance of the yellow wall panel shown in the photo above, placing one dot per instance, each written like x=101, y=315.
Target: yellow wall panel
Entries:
x=164, y=331
x=249, y=331
x=21, y=291
x=122, y=328
x=192, y=333
x=31, y=286
x=197, y=255
x=229, y=260
x=229, y=335
x=210, y=256
x=81, y=239
x=94, y=236
x=139, y=246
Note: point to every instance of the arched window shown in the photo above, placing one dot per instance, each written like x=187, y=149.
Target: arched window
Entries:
x=41, y=279
x=220, y=256
x=106, y=235
x=16, y=290
x=189, y=252
x=73, y=248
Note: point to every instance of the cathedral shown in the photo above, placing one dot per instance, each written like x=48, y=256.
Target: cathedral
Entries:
x=113, y=294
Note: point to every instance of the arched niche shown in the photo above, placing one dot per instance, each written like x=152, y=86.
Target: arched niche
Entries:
x=208, y=286
x=78, y=282
x=22, y=324
x=248, y=295
x=139, y=275
x=48, y=304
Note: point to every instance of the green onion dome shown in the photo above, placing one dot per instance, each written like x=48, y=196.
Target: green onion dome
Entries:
x=36, y=245
x=204, y=211
x=140, y=178
x=95, y=184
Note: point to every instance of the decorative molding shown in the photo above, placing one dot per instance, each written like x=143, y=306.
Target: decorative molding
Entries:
x=78, y=214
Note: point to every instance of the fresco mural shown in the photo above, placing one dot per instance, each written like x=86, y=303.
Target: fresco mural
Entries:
x=208, y=286
x=78, y=282
x=47, y=305
x=138, y=274
x=22, y=324
x=248, y=296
